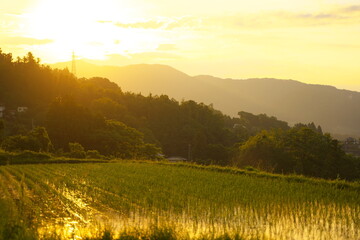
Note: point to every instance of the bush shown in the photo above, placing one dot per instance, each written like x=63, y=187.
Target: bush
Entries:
x=32, y=155
x=94, y=154
x=5, y=157
x=29, y=157
x=149, y=151
x=300, y=150
x=76, y=151
x=251, y=169
x=20, y=143
x=36, y=140
x=23, y=157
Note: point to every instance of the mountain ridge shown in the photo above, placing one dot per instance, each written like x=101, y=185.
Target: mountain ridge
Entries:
x=290, y=100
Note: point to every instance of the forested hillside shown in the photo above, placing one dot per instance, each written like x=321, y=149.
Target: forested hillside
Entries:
x=334, y=109
x=77, y=117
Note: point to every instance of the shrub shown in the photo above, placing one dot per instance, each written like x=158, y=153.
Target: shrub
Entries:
x=36, y=140
x=32, y=155
x=76, y=151
x=20, y=143
x=300, y=150
x=4, y=157
x=149, y=151
x=94, y=154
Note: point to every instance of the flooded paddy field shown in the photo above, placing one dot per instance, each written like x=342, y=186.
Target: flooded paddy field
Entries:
x=137, y=200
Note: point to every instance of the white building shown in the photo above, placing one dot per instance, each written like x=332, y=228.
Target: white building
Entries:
x=176, y=159
x=22, y=109
x=2, y=110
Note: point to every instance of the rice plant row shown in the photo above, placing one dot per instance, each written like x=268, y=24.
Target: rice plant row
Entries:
x=79, y=201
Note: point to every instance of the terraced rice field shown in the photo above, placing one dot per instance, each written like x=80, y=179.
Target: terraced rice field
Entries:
x=78, y=201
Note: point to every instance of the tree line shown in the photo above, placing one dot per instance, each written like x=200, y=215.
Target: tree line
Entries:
x=75, y=116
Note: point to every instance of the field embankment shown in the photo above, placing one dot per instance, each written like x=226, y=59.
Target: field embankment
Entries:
x=29, y=157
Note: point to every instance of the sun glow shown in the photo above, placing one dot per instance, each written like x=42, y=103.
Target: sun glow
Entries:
x=310, y=41
x=79, y=25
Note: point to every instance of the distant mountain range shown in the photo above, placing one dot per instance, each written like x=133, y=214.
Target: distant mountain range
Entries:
x=337, y=111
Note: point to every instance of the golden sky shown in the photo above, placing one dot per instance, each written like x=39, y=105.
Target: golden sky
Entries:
x=313, y=41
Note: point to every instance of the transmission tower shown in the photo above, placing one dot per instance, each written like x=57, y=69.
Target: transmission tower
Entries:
x=73, y=67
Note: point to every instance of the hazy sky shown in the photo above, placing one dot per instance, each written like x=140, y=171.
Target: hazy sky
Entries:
x=313, y=41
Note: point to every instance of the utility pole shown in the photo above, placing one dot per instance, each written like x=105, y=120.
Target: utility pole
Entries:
x=189, y=152
x=73, y=66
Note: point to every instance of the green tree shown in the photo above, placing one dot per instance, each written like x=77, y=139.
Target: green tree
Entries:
x=150, y=151
x=108, y=108
x=94, y=154
x=36, y=140
x=118, y=140
x=266, y=151
x=299, y=150
x=42, y=137
x=69, y=122
x=76, y=150
x=20, y=143
x=256, y=123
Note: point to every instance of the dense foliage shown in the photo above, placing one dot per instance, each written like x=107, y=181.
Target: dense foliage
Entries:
x=299, y=150
x=96, y=114
x=36, y=140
